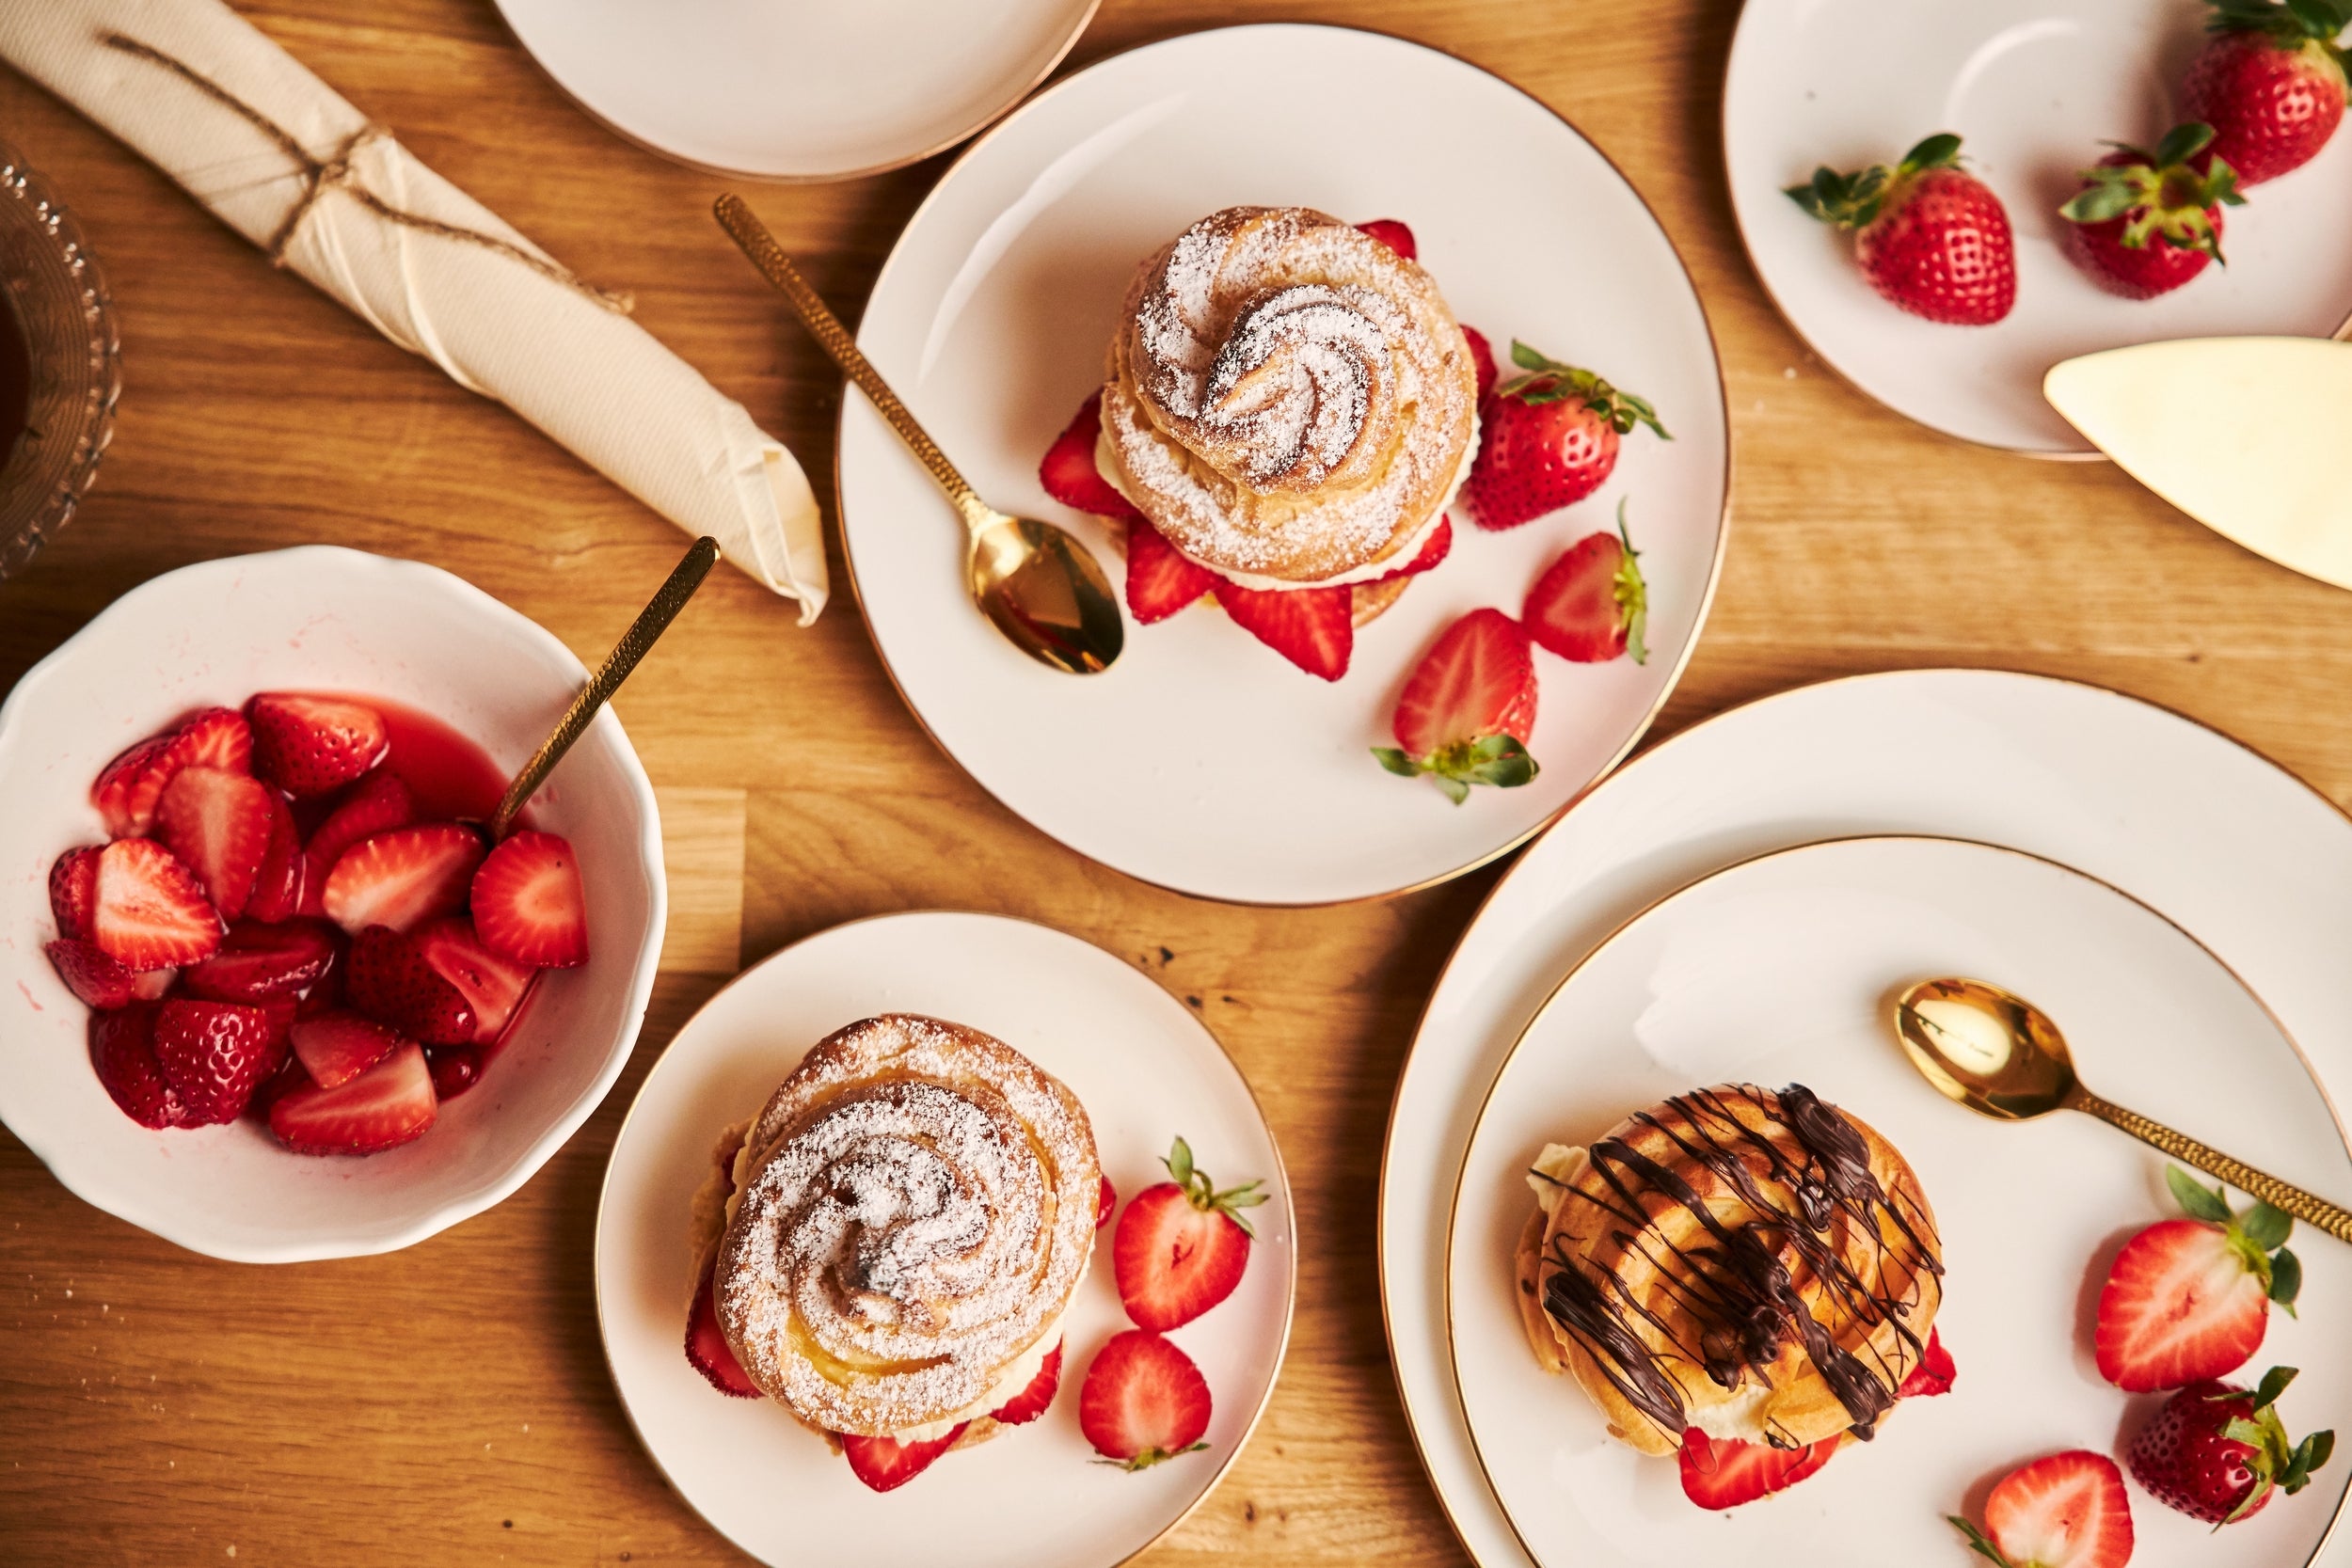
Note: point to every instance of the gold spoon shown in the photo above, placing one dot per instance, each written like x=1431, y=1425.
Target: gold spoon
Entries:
x=651, y=623
x=1039, y=587
x=1999, y=1055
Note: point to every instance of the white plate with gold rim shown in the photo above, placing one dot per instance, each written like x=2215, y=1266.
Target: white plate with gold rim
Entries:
x=2034, y=88
x=2250, y=861
x=1202, y=761
x=1147, y=1071
x=1783, y=969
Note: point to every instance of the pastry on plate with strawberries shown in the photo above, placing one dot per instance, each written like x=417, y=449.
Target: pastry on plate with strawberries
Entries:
x=1742, y=1278
x=889, y=1248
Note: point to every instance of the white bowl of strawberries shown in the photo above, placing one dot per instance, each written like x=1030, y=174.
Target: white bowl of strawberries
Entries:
x=271, y=992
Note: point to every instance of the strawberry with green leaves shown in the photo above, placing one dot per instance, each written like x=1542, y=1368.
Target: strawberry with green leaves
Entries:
x=1468, y=708
x=2219, y=1454
x=1182, y=1245
x=2270, y=82
x=2065, y=1511
x=1551, y=439
x=2144, y=223
x=1931, y=238
x=2188, y=1299
x=1592, y=604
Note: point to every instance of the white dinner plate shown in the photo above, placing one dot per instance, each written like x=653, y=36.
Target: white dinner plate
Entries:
x=2034, y=88
x=1147, y=1071
x=797, y=90
x=1202, y=761
x=1784, y=970
x=2250, y=861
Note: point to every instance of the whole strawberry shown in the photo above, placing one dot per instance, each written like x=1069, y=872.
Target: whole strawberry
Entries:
x=2144, y=223
x=1931, y=238
x=1551, y=439
x=2217, y=1453
x=2270, y=82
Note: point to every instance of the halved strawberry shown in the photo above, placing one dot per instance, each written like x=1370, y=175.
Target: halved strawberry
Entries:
x=123, y=1050
x=337, y=1047
x=279, y=879
x=376, y=804
x=149, y=912
x=2189, y=1299
x=128, y=787
x=1162, y=580
x=1393, y=234
x=307, y=745
x=1143, y=1402
x=456, y=1069
x=1104, y=1202
x=1934, y=1374
x=1482, y=361
x=403, y=877
x=288, y=1078
x=1592, y=604
x=2066, y=1511
x=1432, y=553
x=1468, y=708
x=216, y=738
x=218, y=824
x=388, y=979
x=884, y=1464
x=492, y=984
x=1313, y=627
x=1724, y=1472
x=1180, y=1246
x=389, y=1104
x=1031, y=1403
x=1069, y=471
x=707, y=1351
x=91, y=975
x=257, y=962
x=528, y=903
x=73, y=891
x=214, y=1053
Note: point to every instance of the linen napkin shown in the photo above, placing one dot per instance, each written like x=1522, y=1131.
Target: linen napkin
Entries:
x=287, y=162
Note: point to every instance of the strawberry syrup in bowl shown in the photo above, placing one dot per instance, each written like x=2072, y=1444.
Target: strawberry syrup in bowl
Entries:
x=466, y=689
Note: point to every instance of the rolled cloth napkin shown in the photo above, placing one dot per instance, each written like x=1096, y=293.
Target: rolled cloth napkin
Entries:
x=288, y=164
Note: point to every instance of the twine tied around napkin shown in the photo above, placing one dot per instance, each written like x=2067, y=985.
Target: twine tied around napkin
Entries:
x=321, y=175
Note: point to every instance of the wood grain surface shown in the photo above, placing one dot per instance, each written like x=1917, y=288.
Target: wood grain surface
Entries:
x=449, y=1403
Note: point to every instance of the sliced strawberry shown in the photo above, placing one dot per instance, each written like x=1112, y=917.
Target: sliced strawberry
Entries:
x=288, y=1078
x=153, y=985
x=376, y=804
x=389, y=1104
x=388, y=979
x=2190, y=1299
x=123, y=1049
x=1180, y=1246
x=1313, y=627
x=1161, y=579
x=1482, y=361
x=73, y=891
x=456, y=1069
x=1724, y=1472
x=307, y=745
x=278, y=880
x=1432, y=553
x=214, y=1053
x=528, y=903
x=89, y=974
x=149, y=912
x=1104, y=1202
x=1029, y=1404
x=258, y=961
x=1934, y=1374
x=884, y=1464
x=707, y=1351
x=337, y=1047
x=127, y=788
x=1393, y=234
x=403, y=877
x=216, y=738
x=2066, y=1511
x=218, y=824
x=1143, y=1400
x=492, y=984
x=1592, y=604
x=1468, y=708
x=1069, y=472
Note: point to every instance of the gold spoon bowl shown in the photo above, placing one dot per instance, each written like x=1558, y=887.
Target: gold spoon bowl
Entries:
x=2000, y=1056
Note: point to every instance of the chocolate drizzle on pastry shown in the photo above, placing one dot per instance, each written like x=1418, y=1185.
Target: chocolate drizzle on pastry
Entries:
x=1736, y=1292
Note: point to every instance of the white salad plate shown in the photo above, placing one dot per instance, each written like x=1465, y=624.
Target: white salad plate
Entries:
x=2034, y=88
x=797, y=90
x=1147, y=1071
x=2244, y=857
x=1202, y=761
x=1784, y=970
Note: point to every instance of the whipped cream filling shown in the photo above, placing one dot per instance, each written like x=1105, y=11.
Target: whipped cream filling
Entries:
x=1107, y=464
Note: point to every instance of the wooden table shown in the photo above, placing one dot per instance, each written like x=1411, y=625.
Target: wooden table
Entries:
x=449, y=1403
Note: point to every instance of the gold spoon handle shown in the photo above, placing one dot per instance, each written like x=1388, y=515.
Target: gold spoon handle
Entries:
x=744, y=227
x=635, y=642
x=2309, y=1209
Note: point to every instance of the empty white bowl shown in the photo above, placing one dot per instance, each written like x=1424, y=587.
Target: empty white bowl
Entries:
x=316, y=619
